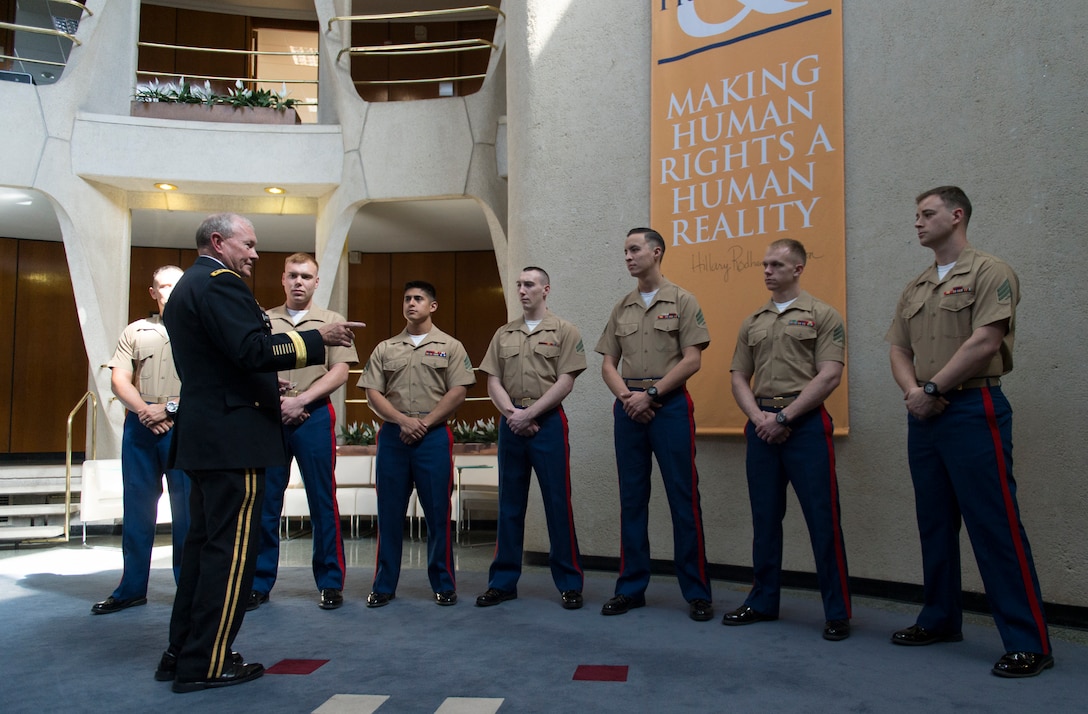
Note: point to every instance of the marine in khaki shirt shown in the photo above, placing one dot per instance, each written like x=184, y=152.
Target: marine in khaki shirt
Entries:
x=789, y=358
x=652, y=344
x=414, y=382
x=951, y=340
x=531, y=364
x=145, y=381
x=309, y=430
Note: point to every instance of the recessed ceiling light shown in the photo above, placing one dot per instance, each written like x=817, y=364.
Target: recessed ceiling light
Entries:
x=275, y=190
x=166, y=187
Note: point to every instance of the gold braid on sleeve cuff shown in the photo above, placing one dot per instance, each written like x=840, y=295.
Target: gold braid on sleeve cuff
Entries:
x=300, y=349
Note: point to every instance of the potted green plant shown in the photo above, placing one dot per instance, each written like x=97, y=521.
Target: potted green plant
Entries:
x=190, y=102
x=480, y=437
x=358, y=439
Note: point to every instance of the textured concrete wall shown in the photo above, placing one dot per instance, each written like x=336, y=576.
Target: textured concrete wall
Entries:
x=989, y=96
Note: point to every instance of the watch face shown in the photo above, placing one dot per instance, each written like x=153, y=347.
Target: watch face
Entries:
x=652, y=391
x=781, y=418
x=930, y=388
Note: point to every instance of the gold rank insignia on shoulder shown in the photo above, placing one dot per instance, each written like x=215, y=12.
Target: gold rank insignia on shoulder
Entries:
x=220, y=271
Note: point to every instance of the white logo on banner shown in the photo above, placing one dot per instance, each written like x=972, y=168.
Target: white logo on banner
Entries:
x=693, y=25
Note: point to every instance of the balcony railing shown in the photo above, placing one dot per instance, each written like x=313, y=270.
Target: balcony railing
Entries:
x=418, y=48
x=32, y=57
x=249, y=80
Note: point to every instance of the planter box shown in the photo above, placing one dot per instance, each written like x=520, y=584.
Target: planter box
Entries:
x=351, y=450
x=216, y=113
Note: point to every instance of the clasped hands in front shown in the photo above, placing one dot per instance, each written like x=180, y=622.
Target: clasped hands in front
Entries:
x=639, y=407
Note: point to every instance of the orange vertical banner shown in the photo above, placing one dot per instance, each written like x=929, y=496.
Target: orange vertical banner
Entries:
x=746, y=148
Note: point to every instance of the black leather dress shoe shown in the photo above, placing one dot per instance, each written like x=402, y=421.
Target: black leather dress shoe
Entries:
x=256, y=599
x=379, y=599
x=168, y=665
x=331, y=599
x=232, y=674
x=836, y=630
x=745, y=615
x=621, y=604
x=571, y=599
x=494, y=596
x=446, y=597
x=700, y=610
x=112, y=604
x=915, y=636
x=1022, y=664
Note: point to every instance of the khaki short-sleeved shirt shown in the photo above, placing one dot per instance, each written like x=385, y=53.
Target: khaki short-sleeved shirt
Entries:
x=529, y=363
x=649, y=341
x=144, y=349
x=782, y=349
x=414, y=379
x=314, y=318
x=935, y=317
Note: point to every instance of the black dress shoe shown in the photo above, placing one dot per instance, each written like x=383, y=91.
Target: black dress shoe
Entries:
x=836, y=630
x=331, y=599
x=112, y=604
x=1022, y=664
x=256, y=599
x=915, y=636
x=621, y=604
x=572, y=599
x=446, y=597
x=168, y=665
x=494, y=596
x=745, y=615
x=232, y=674
x=700, y=610
x=376, y=599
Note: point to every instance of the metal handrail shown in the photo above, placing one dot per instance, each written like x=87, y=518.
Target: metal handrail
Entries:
x=221, y=50
x=421, y=48
x=38, y=31
x=35, y=61
x=225, y=51
x=64, y=538
x=415, y=14
x=246, y=80
x=420, y=81
x=72, y=3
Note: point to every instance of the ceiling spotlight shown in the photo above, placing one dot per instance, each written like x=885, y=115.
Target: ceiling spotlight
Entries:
x=166, y=187
x=275, y=190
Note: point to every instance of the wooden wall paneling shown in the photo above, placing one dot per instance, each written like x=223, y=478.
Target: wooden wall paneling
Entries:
x=7, y=37
x=476, y=61
x=439, y=269
x=481, y=309
x=420, y=66
x=370, y=67
x=9, y=257
x=267, y=282
x=50, y=362
x=157, y=24
x=211, y=29
x=370, y=298
x=142, y=263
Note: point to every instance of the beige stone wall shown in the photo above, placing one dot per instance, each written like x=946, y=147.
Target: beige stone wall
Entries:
x=989, y=97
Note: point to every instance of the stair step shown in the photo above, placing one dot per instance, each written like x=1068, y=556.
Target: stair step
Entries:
x=36, y=509
x=24, y=533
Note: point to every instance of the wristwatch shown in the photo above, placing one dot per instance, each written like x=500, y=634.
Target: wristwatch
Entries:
x=172, y=408
x=932, y=389
x=782, y=419
x=652, y=392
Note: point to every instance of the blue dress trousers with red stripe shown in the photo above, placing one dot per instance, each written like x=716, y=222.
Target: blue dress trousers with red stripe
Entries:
x=548, y=453
x=961, y=465
x=807, y=460
x=428, y=465
x=669, y=436
x=313, y=445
